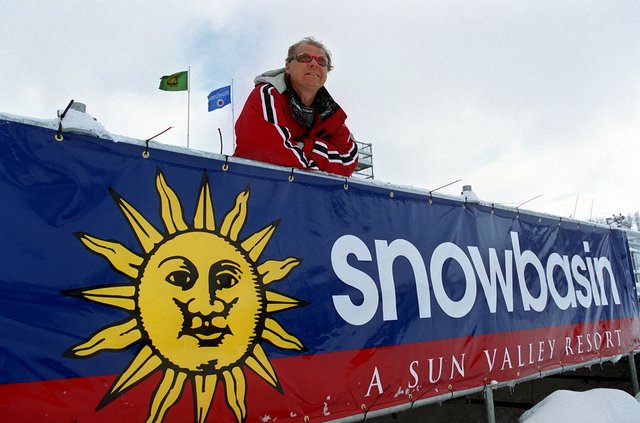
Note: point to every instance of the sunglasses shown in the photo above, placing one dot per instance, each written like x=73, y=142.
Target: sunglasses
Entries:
x=306, y=58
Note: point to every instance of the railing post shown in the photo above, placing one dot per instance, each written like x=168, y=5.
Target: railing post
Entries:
x=634, y=374
x=488, y=404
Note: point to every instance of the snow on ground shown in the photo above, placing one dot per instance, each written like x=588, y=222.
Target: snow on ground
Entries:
x=596, y=405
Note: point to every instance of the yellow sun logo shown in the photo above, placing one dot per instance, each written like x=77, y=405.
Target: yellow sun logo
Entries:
x=199, y=303
x=172, y=80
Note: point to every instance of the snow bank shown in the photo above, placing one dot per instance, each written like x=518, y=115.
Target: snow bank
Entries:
x=593, y=406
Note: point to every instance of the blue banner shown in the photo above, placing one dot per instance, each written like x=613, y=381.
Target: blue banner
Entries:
x=131, y=279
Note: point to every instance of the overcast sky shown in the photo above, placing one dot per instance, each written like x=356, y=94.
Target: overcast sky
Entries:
x=516, y=98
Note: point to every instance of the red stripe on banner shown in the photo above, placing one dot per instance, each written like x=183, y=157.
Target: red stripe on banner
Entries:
x=335, y=385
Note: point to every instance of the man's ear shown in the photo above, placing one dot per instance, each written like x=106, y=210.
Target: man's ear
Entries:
x=286, y=67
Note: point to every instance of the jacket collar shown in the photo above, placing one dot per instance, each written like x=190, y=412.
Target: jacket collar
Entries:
x=274, y=77
x=323, y=104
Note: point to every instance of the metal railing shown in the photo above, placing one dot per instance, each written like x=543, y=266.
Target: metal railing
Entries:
x=364, y=169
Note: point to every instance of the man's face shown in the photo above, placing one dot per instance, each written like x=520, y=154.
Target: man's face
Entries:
x=308, y=76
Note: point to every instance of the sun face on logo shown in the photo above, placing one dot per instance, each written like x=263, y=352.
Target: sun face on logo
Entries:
x=199, y=303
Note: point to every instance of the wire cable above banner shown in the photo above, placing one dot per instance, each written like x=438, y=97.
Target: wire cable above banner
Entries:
x=440, y=187
x=58, y=136
x=145, y=153
x=531, y=199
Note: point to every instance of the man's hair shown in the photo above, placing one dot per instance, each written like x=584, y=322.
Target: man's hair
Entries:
x=311, y=41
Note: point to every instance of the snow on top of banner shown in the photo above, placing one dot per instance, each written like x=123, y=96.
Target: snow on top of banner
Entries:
x=83, y=123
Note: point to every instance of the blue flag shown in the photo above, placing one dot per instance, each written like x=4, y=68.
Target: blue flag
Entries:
x=219, y=98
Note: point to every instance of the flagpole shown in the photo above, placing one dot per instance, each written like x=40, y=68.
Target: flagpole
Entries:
x=233, y=119
x=188, y=102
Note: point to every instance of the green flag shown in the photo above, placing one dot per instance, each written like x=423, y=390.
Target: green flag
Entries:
x=176, y=82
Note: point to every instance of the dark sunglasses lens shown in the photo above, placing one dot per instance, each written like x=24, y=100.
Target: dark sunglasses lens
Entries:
x=306, y=58
x=303, y=58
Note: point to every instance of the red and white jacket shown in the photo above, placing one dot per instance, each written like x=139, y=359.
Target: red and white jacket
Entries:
x=267, y=130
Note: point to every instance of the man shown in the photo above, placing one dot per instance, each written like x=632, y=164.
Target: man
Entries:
x=290, y=119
